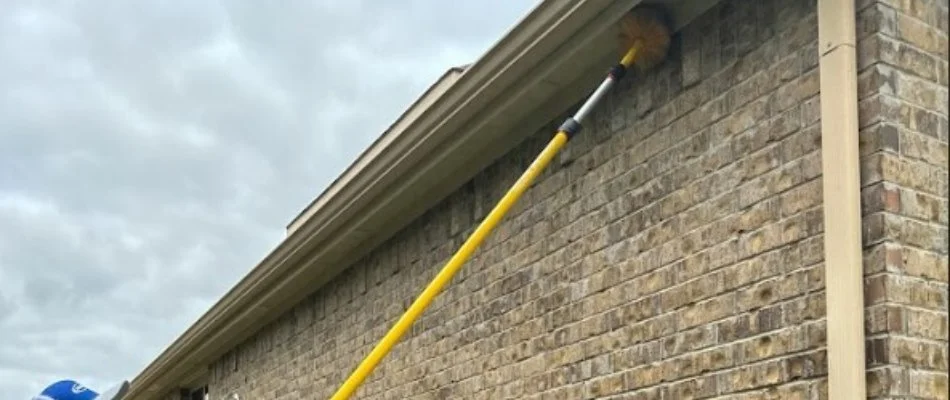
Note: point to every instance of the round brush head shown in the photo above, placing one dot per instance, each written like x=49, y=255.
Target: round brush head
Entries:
x=650, y=26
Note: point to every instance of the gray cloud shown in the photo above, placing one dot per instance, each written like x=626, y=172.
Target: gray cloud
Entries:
x=152, y=152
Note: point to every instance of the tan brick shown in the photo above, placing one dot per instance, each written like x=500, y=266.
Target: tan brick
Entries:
x=906, y=291
x=700, y=387
x=608, y=385
x=758, y=215
x=928, y=237
x=691, y=340
x=883, y=381
x=750, y=140
x=643, y=376
x=764, y=239
x=794, y=92
x=785, y=124
x=928, y=384
x=752, y=377
x=924, y=148
x=799, y=145
x=885, y=318
x=924, y=264
x=760, y=162
x=771, y=291
x=805, y=308
x=801, y=198
x=927, y=324
x=779, y=180
x=879, y=197
x=707, y=311
x=922, y=35
x=772, y=345
x=917, y=354
x=924, y=207
x=879, y=109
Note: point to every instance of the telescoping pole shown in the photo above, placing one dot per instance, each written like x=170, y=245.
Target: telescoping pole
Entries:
x=567, y=130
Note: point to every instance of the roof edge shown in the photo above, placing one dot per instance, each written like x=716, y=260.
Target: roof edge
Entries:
x=369, y=155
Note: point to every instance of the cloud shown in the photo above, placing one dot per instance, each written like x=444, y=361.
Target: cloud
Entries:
x=152, y=152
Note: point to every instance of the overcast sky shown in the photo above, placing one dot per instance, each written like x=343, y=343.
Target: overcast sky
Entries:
x=152, y=152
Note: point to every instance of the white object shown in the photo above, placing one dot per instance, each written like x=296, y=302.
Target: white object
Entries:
x=117, y=392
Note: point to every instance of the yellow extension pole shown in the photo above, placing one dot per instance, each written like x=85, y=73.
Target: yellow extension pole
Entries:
x=484, y=229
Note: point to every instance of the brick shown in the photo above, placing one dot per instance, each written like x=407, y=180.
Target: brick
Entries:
x=780, y=179
x=881, y=197
x=701, y=387
x=602, y=387
x=926, y=324
x=794, y=92
x=772, y=345
x=904, y=172
x=916, y=354
x=760, y=162
x=883, y=381
x=752, y=377
x=769, y=292
x=691, y=66
x=762, y=240
x=928, y=384
x=744, y=92
x=924, y=264
x=707, y=311
x=801, y=198
x=905, y=291
x=885, y=318
x=759, y=215
x=802, y=309
x=811, y=250
x=923, y=148
x=882, y=257
x=802, y=144
x=880, y=108
x=876, y=80
x=691, y=340
x=923, y=207
x=920, y=92
x=921, y=35
x=753, y=270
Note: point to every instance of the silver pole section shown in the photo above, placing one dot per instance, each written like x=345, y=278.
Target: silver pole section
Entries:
x=586, y=108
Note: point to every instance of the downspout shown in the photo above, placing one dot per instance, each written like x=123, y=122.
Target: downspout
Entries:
x=841, y=183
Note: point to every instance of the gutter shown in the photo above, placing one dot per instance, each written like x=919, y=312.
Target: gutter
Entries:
x=844, y=272
x=432, y=94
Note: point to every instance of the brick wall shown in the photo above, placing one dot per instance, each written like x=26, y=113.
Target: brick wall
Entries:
x=673, y=251
x=903, y=91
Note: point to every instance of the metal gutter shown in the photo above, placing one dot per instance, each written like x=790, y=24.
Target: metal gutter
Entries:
x=432, y=94
x=844, y=272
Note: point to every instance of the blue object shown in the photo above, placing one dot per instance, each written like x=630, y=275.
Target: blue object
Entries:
x=71, y=390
